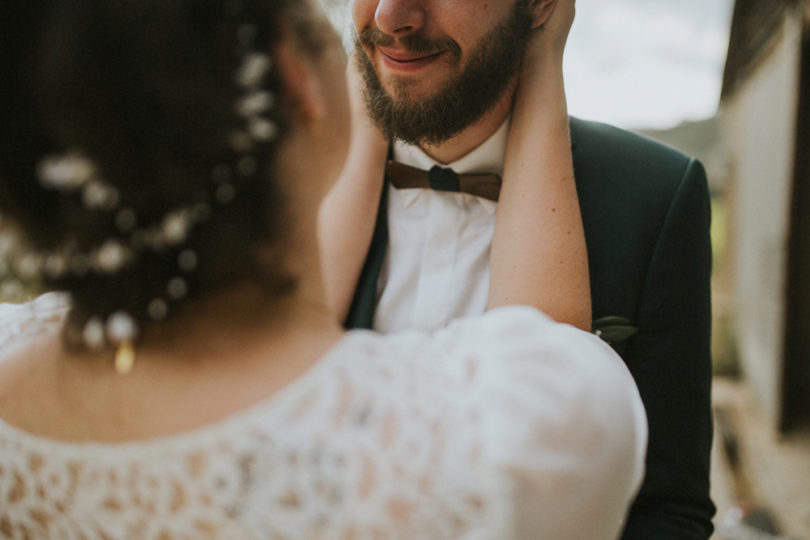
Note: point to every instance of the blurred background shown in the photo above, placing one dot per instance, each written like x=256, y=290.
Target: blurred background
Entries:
x=727, y=81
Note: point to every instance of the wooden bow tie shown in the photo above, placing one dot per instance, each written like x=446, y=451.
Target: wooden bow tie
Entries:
x=402, y=176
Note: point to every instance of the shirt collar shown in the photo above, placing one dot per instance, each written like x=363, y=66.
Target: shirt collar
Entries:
x=488, y=157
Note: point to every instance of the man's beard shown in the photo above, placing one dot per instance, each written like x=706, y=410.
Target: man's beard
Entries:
x=462, y=100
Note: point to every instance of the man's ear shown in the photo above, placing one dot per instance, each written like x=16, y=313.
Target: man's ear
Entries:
x=302, y=88
x=541, y=10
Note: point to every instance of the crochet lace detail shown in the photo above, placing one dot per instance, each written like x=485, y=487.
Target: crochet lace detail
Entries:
x=411, y=437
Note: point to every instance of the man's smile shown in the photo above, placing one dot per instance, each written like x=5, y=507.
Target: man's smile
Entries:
x=401, y=60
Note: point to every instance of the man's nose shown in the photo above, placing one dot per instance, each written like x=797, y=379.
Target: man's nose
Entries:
x=399, y=17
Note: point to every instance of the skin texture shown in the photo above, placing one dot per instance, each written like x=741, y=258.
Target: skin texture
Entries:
x=345, y=223
x=538, y=248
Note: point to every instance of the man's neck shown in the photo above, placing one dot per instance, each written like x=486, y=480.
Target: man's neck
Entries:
x=471, y=137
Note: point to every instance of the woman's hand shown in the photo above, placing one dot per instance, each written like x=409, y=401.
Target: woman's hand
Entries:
x=540, y=90
x=367, y=140
x=551, y=34
x=539, y=257
x=349, y=211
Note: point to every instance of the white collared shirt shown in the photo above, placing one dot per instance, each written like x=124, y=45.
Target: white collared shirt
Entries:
x=436, y=267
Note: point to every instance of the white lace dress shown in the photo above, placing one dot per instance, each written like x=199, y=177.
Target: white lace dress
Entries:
x=498, y=427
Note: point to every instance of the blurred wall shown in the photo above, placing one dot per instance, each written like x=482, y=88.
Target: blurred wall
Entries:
x=759, y=133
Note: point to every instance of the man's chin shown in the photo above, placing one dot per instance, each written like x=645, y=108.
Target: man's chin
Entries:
x=409, y=95
x=410, y=91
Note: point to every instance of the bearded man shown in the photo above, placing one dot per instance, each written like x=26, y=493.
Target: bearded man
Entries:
x=439, y=79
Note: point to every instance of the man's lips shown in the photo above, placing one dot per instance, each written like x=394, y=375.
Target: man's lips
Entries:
x=405, y=61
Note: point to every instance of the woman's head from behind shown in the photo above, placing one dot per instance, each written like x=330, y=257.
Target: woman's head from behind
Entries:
x=152, y=152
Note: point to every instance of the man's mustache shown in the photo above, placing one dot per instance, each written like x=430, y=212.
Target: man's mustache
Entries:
x=412, y=43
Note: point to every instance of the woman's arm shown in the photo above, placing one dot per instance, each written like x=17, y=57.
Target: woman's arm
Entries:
x=539, y=257
x=349, y=210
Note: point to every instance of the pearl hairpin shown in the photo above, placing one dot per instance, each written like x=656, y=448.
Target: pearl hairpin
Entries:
x=76, y=174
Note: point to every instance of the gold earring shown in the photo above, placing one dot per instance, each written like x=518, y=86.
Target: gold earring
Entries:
x=125, y=357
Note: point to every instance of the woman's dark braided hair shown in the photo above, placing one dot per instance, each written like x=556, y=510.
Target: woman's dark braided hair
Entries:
x=145, y=91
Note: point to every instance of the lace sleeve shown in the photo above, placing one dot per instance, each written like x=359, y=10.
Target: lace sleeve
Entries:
x=565, y=419
x=19, y=322
x=503, y=426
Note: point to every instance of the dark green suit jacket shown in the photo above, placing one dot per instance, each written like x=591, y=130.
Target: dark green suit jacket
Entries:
x=646, y=213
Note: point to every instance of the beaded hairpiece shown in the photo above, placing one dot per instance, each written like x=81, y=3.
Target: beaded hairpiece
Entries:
x=74, y=172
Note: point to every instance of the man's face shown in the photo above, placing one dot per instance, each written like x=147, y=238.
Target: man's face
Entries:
x=433, y=67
